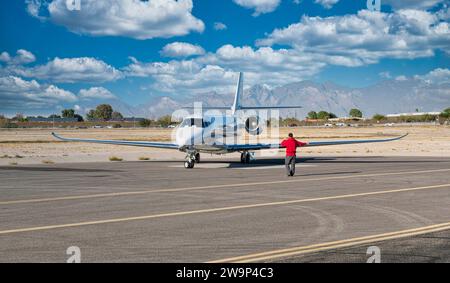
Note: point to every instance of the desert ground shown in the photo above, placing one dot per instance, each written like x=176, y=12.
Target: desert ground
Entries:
x=37, y=146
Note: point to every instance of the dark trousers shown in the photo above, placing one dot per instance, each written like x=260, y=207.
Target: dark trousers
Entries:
x=290, y=165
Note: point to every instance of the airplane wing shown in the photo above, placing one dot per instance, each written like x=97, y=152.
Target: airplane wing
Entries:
x=120, y=142
x=242, y=147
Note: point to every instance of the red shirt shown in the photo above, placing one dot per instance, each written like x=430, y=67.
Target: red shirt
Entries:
x=291, y=145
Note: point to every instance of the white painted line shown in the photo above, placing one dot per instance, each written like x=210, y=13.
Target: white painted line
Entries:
x=217, y=209
x=271, y=255
x=223, y=186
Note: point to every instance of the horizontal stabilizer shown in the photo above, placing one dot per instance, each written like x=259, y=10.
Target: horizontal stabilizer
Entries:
x=269, y=107
x=208, y=107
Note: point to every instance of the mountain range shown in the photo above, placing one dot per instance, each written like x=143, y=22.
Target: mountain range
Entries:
x=385, y=97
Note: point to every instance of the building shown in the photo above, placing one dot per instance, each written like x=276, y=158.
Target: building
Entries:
x=413, y=114
x=51, y=120
x=344, y=119
x=132, y=119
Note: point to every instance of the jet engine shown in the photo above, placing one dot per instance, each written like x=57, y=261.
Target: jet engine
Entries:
x=253, y=126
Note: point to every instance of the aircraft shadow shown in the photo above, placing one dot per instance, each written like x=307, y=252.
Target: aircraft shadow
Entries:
x=323, y=160
x=261, y=162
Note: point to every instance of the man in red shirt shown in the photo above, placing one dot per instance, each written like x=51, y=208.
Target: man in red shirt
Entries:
x=291, y=145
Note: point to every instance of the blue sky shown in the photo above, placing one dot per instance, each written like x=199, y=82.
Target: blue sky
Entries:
x=52, y=56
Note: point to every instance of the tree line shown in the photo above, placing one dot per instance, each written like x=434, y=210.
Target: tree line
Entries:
x=105, y=112
x=324, y=115
x=445, y=115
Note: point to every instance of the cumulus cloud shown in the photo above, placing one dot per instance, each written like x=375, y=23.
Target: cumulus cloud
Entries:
x=16, y=93
x=260, y=6
x=395, y=4
x=141, y=69
x=34, y=7
x=310, y=45
x=365, y=38
x=265, y=59
x=220, y=26
x=328, y=4
x=412, y=4
x=129, y=18
x=401, y=78
x=182, y=76
x=217, y=71
x=436, y=76
x=385, y=75
x=207, y=78
x=22, y=57
x=5, y=57
x=181, y=49
x=71, y=70
x=95, y=93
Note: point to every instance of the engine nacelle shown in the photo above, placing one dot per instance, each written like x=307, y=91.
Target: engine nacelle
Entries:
x=253, y=126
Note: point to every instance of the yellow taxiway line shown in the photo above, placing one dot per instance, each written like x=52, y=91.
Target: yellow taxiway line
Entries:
x=295, y=180
x=219, y=209
x=283, y=253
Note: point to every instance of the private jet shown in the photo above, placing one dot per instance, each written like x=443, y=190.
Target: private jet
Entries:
x=218, y=134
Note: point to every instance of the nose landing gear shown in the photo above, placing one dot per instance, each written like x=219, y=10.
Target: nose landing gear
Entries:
x=191, y=159
x=189, y=164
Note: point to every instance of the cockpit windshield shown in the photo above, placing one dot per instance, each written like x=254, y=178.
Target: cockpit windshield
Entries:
x=197, y=122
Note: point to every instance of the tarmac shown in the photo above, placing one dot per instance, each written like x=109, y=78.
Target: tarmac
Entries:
x=333, y=210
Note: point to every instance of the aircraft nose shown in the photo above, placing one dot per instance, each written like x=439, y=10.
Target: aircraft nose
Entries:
x=181, y=137
x=187, y=136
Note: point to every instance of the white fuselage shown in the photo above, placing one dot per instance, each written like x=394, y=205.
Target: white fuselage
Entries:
x=207, y=134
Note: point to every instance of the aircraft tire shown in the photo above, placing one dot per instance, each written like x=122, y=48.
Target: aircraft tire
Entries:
x=247, y=158
x=189, y=164
x=197, y=158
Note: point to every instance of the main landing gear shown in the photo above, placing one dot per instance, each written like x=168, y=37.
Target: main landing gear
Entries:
x=191, y=159
x=194, y=157
x=245, y=157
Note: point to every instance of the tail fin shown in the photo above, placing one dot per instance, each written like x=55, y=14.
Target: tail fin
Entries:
x=239, y=91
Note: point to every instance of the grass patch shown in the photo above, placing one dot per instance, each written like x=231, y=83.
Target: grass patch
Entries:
x=47, y=162
x=115, y=158
x=9, y=156
x=144, y=158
